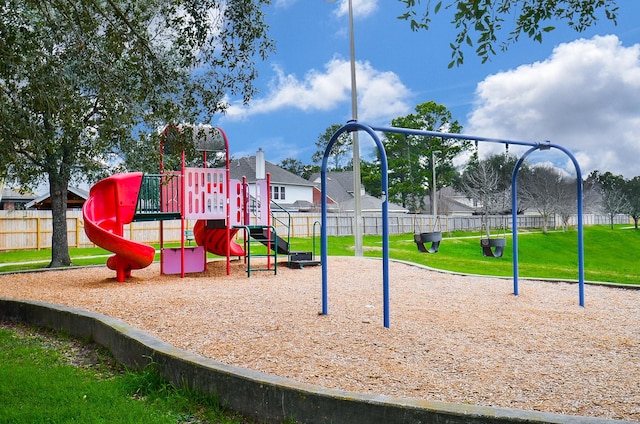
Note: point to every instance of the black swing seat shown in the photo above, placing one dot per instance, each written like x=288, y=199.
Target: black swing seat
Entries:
x=493, y=248
x=434, y=238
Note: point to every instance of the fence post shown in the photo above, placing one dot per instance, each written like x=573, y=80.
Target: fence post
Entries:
x=38, y=246
x=77, y=232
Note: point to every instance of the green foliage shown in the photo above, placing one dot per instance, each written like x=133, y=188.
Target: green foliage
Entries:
x=341, y=155
x=632, y=193
x=490, y=24
x=296, y=166
x=78, y=77
x=411, y=158
x=613, y=190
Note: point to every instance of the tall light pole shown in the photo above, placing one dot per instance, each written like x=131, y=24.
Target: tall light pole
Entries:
x=357, y=196
x=434, y=189
x=357, y=200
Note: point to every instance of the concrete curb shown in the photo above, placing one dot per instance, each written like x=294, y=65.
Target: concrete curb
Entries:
x=257, y=395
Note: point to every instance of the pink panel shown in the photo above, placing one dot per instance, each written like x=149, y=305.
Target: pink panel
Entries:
x=262, y=199
x=194, y=260
x=207, y=187
x=236, y=202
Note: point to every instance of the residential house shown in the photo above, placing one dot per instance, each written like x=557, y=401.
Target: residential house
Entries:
x=288, y=190
x=340, y=195
x=75, y=199
x=12, y=200
x=452, y=202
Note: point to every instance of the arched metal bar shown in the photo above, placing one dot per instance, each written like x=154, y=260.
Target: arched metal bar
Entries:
x=371, y=130
x=355, y=126
x=579, y=212
x=514, y=215
x=458, y=136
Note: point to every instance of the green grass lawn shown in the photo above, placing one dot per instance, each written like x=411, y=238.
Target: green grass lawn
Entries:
x=47, y=378
x=610, y=255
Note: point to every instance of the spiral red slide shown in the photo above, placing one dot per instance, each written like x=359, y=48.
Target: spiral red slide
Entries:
x=215, y=240
x=111, y=205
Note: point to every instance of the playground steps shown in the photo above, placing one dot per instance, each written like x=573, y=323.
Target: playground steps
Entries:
x=265, y=236
x=298, y=260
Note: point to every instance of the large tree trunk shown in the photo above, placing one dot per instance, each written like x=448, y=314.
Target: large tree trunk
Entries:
x=59, y=242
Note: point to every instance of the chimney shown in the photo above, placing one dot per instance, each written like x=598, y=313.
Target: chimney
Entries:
x=260, y=166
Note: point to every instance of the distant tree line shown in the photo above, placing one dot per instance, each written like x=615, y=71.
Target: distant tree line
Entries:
x=414, y=162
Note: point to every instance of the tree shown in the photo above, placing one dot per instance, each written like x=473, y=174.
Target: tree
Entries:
x=341, y=156
x=371, y=177
x=411, y=158
x=613, y=197
x=490, y=24
x=488, y=183
x=567, y=202
x=78, y=77
x=549, y=192
x=481, y=182
x=295, y=166
x=632, y=193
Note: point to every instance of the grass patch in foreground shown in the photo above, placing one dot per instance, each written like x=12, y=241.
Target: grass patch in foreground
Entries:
x=46, y=378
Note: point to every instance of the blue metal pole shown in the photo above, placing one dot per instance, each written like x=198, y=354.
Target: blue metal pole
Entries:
x=514, y=216
x=580, y=223
x=385, y=229
x=323, y=224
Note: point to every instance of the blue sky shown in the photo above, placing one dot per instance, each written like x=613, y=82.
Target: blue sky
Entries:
x=579, y=90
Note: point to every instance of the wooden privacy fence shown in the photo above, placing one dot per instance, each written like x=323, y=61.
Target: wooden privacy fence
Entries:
x=22, y=230
x=28, y=230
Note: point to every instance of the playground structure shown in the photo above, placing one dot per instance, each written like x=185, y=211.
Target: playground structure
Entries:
x=220, y=206
x=353, y=125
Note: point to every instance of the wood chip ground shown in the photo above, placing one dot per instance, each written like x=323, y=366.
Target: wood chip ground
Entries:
x=452, y=338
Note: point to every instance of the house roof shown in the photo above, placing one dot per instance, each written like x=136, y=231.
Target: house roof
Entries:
x=75, y=198
x=340, y=189
x=12, y=195
x=246, y=167
x=455, y=201
x=339, y=185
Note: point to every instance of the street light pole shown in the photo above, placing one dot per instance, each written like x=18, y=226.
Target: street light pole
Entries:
x=434, y=188
x=357, y=199
x=357, y=196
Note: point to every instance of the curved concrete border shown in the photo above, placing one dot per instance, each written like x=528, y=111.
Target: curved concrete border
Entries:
x=261, y=396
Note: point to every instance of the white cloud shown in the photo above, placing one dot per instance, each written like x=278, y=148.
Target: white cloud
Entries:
x=584, y=97
x=284, y=4
x=381, y=95
x=361, y=8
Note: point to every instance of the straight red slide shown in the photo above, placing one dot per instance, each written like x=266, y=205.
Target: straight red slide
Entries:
x=111, y=205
